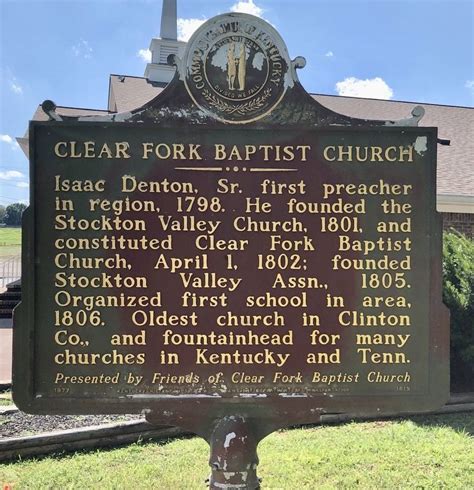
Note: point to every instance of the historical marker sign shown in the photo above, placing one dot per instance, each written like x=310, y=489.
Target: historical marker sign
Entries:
x=269, y=272
x=230, y=263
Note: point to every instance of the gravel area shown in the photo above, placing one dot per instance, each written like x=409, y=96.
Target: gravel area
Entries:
x=22, y=424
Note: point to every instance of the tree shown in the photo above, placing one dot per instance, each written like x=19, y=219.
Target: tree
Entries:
x=3, y=212
x=458, y=296
x=13, y=214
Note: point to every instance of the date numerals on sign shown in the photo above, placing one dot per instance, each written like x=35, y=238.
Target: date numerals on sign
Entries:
x=384, y=280
x=80, y=318
x=191, y=204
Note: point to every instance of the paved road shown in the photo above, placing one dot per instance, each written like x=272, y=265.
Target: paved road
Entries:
x=5, y=351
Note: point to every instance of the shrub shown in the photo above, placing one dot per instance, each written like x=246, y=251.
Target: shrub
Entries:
x=458, y=296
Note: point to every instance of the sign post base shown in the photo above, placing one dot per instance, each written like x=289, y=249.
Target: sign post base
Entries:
x=233, y=458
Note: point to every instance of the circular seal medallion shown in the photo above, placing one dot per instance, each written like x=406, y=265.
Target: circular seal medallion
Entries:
x=236, y=68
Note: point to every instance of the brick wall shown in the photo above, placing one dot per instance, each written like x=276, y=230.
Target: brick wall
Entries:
x=462, y=222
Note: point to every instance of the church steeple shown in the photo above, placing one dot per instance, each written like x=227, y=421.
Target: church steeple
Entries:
x=169, y=20
x=158, y=70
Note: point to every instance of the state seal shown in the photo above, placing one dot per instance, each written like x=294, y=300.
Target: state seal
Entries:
x=236, y=68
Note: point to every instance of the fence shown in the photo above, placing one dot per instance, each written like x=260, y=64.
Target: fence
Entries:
x=10, y=270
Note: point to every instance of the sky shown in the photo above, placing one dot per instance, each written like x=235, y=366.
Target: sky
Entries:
x=410, y=50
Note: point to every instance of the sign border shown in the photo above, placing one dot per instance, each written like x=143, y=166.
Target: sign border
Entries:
x=302, y=408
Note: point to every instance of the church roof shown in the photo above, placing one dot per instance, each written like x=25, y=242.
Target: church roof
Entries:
x=127, y=93
x=455, y=162
x=40, y=115
x=456, y=124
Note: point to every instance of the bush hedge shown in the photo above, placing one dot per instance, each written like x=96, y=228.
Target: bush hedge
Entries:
x=458, y=296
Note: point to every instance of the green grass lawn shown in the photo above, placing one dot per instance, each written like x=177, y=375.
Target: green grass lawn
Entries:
x=420, y=452
x=10, y=241
x=6, y=397
x=10, y=236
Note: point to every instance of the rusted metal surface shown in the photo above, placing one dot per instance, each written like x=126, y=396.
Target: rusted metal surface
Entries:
x=233, y=459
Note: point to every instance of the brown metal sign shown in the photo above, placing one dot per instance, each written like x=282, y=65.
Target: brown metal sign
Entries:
x=232, y=257
x=247, y=264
